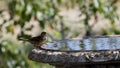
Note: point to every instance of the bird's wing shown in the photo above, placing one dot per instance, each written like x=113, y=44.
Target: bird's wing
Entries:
x=35, y=38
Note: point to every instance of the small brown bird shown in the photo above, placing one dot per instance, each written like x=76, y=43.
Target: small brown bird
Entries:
x=37, y=41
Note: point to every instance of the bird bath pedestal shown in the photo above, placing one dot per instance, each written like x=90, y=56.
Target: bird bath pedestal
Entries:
x=92, y=52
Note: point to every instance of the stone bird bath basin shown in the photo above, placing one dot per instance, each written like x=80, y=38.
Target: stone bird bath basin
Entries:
x=90, y=52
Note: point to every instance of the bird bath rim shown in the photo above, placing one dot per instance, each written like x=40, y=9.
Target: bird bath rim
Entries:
x=57, y=57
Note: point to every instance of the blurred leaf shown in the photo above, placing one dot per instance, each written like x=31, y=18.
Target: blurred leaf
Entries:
x=39, y=15
x=57, y=33
x=10, y=28
x=96, y=3
x=42, y=23
x=29, y=28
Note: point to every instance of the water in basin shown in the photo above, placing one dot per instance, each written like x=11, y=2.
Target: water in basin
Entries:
x=103, y=43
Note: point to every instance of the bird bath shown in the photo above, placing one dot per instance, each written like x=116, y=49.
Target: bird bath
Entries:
x=91, y=52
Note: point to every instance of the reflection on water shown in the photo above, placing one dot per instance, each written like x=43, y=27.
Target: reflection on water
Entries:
x=92, y=42
x=86, y=44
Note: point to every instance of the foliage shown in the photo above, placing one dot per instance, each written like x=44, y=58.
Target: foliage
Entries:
x=13, y=55
x=46, y=12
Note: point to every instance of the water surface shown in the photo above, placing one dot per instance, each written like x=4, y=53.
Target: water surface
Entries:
x=98, y=43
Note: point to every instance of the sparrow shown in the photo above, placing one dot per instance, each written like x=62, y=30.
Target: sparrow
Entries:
x=38, y=40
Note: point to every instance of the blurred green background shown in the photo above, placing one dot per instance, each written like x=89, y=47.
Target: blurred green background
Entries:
x=59, y=18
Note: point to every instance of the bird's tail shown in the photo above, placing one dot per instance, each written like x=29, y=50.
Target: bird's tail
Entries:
x=21, y=39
